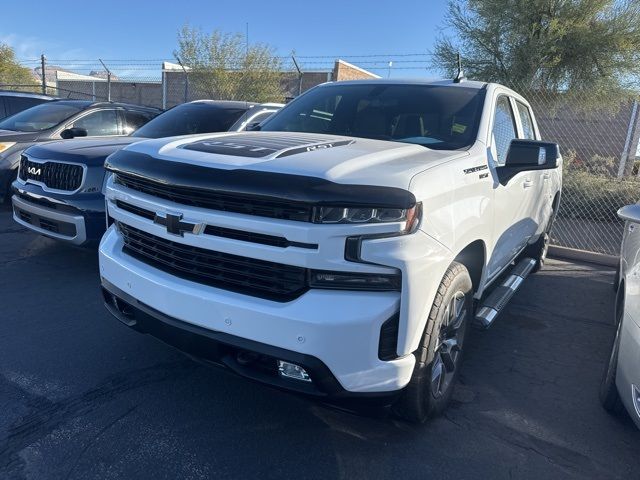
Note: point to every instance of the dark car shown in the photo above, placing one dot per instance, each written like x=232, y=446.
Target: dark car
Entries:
x=12, y=102
x=58, y=189
x=63, y=119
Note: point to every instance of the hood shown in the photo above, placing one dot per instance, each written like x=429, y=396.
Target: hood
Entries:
x=12, y=136
x=338, y=159
x=88, y=151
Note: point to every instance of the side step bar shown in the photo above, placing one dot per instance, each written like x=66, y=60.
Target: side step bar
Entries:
x=491, y=306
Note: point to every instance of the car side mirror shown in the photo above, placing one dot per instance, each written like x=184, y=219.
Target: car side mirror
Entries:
x=73, y=132
x=630, y=213
x=252, y=127
x=527, y=155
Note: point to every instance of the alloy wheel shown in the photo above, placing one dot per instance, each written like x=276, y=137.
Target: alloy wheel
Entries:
x=451, y=337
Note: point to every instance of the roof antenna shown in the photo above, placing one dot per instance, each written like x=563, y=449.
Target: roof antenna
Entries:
x=460, y=75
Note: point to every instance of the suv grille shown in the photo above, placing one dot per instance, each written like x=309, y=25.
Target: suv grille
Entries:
x=249, y=276
x=219, y=201
x=58, y=176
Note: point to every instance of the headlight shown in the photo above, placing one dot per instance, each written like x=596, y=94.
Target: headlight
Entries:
x=6, y=146
x=354, y=281
x=369, y=215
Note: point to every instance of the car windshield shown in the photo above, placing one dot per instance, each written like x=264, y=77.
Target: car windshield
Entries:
x=189, y=119
x=39, y=118
x=437, y=117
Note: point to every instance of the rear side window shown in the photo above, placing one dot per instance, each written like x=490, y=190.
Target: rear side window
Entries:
x=99, y=123
x=18, y=104
x=528, y=131
x=189, y=119
x=262, y=116
x=134, y=120
x=504, y=128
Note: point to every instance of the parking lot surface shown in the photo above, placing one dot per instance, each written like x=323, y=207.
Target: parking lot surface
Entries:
x=83, y=397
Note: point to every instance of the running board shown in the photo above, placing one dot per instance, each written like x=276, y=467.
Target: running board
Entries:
x=493, y=305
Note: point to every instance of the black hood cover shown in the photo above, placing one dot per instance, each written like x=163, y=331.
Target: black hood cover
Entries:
x=253, y=146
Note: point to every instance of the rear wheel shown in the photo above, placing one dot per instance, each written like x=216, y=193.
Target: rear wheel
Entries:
x=609, y=395
x=538, y=250
x=439, y=355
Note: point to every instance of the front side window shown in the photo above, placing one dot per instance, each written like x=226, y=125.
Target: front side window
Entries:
x=434, y=116
x=528, y=131
x=99, y=123
x=504, y=128
x=41, y=117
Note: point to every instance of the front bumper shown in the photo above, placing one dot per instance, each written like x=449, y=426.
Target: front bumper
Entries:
x=628, y=371
x=78, y=221
x=60, y=225
x=339, y=329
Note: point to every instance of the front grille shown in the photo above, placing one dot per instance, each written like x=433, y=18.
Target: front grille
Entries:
x=221, y=201
x=54, y=175
x=258, y=278
x=223, y=232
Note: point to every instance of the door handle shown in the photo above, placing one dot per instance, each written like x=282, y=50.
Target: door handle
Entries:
x=546, y=176
x=527, y=183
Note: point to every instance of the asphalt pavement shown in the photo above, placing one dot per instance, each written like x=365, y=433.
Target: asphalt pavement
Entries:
x=83, y=397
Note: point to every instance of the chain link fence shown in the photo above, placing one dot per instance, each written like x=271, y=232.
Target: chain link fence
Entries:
x=598, y=134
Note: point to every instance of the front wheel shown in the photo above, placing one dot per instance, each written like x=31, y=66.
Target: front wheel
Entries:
x=439, y=355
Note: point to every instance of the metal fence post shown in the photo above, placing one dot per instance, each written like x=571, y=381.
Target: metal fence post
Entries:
x=108, y=80
x=299, y=74
x=186, y=79
x=627, y=144
x=164, y=89
x=43, y=71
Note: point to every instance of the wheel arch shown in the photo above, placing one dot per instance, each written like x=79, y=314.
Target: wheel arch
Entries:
x=473, y=257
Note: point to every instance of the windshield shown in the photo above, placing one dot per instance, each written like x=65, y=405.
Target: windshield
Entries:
x=189, y=119
x=438, y=117
x=40, y=117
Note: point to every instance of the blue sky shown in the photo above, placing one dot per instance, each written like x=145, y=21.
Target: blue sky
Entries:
x=147, y=30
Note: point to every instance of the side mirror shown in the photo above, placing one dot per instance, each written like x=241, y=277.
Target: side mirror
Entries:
x=527, y=155
x=630, y=213
x=73, y=132
x=252, y=127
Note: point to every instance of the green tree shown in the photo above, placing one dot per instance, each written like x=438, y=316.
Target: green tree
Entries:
x=11, y=72
x=552, y=45
x=222, y=66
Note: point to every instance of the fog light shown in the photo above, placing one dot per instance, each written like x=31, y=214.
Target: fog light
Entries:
x=291, y=370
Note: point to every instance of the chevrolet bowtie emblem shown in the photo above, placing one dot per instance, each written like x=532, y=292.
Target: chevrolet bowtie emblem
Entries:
x=175, y=225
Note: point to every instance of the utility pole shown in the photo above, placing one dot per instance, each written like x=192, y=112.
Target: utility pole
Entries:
x=43, y=71
x=246, y=39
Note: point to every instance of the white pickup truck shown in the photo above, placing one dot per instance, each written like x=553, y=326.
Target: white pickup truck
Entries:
x=343, y=250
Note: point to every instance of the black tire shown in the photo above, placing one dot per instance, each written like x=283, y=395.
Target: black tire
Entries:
x=609, y=395
x=439, y=357
x=538, y=250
